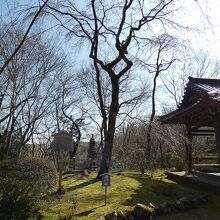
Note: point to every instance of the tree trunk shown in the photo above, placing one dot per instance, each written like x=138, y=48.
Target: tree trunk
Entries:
x=148, y=147
x=110, y=131
x=108, y=145
x=106, y=158
x=161, y=155
x=153, y=110
x=60, y=164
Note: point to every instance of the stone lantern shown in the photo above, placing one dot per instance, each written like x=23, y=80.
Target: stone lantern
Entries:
x=62, y=143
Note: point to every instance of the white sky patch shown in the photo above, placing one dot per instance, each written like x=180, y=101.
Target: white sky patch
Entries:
x=207, y=19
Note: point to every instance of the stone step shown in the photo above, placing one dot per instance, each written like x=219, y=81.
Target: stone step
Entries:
x=208, y=176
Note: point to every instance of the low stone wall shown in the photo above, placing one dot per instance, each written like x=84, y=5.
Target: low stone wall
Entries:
x=145, y=212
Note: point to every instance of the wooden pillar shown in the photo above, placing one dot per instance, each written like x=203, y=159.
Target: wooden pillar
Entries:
x=217, y=138
x=189, y=148
x=60, y=164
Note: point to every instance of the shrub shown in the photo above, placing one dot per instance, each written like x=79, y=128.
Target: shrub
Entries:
x=9, y=168
x=22, y=183
x=18, y=199
x=177, y=162
x=40, y=173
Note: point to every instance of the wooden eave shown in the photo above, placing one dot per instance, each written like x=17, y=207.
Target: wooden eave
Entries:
x=201, y=113
x=200, y=104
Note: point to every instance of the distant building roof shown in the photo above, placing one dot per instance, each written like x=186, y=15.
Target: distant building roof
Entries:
x=200, y=104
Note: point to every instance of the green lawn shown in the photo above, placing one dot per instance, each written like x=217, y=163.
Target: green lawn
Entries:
x=125, y=191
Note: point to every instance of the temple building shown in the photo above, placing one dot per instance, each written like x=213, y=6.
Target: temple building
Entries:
x=199, y=110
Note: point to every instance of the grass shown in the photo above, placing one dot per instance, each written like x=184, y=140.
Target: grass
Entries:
x=125, y=191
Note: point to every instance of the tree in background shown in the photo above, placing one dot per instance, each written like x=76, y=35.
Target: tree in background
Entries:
x=199, y=64
x=166, y=140
x=27, y=85
x=161, y=59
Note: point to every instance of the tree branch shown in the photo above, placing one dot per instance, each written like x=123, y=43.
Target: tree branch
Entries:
x=23, y=39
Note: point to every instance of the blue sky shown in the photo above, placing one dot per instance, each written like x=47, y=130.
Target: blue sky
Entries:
x=207, y=39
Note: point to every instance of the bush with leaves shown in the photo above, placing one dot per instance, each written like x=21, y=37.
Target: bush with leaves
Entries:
x=41, y=173
x=18, y=199
x=23, y=182
x=177, y=162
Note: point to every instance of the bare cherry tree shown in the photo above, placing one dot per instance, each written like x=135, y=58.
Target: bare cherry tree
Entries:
x=113, y=31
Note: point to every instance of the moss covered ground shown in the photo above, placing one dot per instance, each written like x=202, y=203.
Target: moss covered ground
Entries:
x=84, y=196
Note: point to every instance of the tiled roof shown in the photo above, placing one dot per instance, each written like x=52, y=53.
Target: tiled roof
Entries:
x=199, y=93
x=199, y=87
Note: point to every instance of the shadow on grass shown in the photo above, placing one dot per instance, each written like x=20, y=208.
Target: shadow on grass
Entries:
x=86, y=213
x=159, y=191
x=153, y=190
x=77, y=176
x=81, y=185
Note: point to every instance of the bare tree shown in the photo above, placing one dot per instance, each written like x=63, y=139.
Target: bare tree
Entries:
x=113, y=30
x=130, y=98
x=198, y=64
x=166, y=142
x=163, y=48
x=28, y=84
